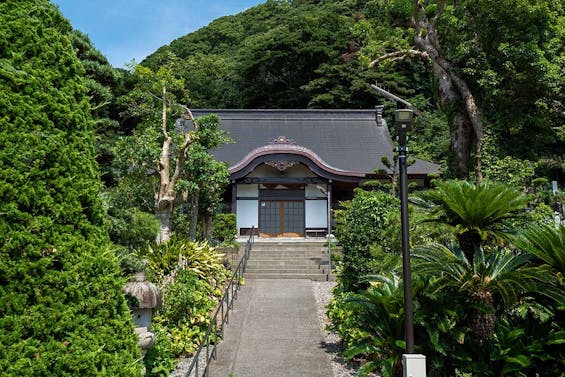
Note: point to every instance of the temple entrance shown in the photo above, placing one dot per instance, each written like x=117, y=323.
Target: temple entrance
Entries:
x=281, y=218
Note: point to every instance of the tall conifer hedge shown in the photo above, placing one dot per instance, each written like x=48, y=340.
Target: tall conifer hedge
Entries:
x=61, y=309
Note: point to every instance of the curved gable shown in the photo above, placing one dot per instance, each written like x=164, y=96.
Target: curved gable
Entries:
x=290, y=152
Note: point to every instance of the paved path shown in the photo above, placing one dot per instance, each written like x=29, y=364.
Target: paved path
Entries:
x=273, y=332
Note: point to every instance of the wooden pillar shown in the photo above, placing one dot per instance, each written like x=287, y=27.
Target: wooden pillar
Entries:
x=233, y=197
x=330, y=195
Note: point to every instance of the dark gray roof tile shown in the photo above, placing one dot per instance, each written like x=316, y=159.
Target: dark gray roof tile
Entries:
x=345, y=139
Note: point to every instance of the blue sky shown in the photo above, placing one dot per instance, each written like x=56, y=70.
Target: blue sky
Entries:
x=132, y=29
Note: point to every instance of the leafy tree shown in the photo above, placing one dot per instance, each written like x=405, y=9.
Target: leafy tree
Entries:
x=154, y=100
x=61, y=308
x=495, y=63
x=172, y=161
x=105, y=85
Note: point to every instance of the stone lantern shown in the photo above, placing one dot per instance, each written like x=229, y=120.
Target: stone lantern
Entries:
x=149, y=297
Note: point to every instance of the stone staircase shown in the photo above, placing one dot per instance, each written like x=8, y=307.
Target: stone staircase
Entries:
x=289, y=259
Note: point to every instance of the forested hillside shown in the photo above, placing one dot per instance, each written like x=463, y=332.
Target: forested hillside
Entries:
x=488, y=74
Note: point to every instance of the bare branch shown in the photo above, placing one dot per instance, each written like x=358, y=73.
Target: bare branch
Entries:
x=188, y=116
x=401, y=54
x=164, y=113
x=188, y=140
x=440, y=9
x=154, y=95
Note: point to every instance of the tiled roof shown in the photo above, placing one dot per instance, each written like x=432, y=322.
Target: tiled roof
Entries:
x=344, y=139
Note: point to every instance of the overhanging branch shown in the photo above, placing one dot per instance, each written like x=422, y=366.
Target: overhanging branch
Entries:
x=400, y=55
x=392, y=97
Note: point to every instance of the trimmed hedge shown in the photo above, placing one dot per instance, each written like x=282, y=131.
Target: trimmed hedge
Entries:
x=225, y=228
x=62, y=312
x=361, y=225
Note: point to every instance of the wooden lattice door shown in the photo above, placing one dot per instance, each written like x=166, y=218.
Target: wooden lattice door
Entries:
x=281, y=217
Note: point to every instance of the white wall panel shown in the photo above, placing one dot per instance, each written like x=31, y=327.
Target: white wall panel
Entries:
x=247, y=191
x=316, y=214
x=247, y=213
x=312, y=191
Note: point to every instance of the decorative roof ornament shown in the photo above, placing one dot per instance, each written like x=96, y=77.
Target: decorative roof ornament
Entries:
x=283, y=140
x=281, y=165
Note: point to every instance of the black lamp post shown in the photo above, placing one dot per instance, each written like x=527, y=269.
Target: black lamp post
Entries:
x=402, y=125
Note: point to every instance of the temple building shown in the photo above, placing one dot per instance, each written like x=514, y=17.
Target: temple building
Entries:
x=288, y=168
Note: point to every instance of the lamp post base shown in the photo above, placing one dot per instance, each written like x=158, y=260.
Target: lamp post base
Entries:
x=414, y=365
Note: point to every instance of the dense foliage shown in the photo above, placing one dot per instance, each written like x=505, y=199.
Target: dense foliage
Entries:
x=61, y=308
x=492, y=307
x=225, y=228
x=297, y=54
x=363, y=227
x=192, y=276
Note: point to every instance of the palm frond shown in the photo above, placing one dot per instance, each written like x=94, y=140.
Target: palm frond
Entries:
x=546, y=243
x=479, y=207
x=507, y=274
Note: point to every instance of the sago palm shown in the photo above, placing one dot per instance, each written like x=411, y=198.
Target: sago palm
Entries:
x=379, y=311
x=546, y=242
x=486, y=283
x=475, y=211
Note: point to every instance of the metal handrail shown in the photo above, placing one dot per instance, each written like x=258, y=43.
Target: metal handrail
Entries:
x=216, y=328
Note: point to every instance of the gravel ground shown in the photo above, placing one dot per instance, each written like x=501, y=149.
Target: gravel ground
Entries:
x=184, y=363
x=341, y=367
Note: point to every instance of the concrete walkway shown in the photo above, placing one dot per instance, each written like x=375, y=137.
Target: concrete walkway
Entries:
x=273, y=332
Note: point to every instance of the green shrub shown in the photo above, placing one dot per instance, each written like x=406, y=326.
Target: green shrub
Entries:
x=187, y=299
x=364, y=222
x=199, y=257
x=224, y=228
x=132, y=228
x=62, y=312
x=159, y=360
x=185, y=314
x=343, y=321
x=130, y=261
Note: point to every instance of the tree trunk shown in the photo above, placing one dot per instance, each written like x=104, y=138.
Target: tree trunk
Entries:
x=461, y=141
x=164, y=214
x=469, y=242
x=194, y=215
x=454, y=95
x=209, y=227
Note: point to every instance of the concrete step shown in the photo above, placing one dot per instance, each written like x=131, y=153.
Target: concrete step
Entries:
x=286, y=262
x=315, y=248
x=288, y=256
x=287, y=270
x=315, y=277
x=289, y=251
